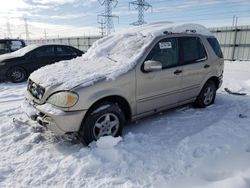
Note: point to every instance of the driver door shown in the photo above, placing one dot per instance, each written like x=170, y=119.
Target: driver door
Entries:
x=41, y=56
x=160, y=89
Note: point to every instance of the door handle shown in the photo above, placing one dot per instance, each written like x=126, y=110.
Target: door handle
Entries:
x=177, y=72
x=206, y=66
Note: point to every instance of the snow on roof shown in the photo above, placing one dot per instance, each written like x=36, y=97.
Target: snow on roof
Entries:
x=109, y=57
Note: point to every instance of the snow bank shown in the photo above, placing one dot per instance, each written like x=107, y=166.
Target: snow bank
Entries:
x=109, y=57
x=180, y=148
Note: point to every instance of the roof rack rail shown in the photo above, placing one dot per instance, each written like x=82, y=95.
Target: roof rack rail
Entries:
x=167, y=32
x=187, y=31
x=190, y=31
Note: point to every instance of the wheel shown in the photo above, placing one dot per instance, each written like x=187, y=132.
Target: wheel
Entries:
x=17, y=74
x=106, y=119
x=206, y=96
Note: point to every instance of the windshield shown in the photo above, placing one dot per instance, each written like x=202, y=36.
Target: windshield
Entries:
x=24, y=50
x=119, y=48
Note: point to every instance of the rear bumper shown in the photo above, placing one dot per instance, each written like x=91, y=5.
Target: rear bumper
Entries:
x=57, y=121
x=220, y=81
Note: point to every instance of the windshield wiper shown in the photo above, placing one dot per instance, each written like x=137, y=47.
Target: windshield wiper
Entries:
x=111, y=59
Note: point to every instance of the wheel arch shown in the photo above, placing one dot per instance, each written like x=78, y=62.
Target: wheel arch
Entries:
x=121, y=101
x=215, y=80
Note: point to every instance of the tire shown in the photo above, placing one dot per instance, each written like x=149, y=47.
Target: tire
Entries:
x=17, y=75
x=206, y=96
x=104, y=119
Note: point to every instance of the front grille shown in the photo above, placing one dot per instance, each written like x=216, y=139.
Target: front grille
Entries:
x=35, y=90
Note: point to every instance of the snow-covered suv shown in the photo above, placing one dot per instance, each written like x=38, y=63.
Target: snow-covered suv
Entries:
x=126, y=76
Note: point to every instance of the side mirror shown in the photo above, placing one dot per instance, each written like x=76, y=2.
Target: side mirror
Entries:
x=152, y=66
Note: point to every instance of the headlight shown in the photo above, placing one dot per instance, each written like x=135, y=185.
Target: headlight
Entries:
x=64, y=99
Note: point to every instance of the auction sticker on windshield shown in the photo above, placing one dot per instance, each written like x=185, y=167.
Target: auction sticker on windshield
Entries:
x=165, y=45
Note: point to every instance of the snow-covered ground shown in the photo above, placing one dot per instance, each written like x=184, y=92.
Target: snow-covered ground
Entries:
x=180, y=148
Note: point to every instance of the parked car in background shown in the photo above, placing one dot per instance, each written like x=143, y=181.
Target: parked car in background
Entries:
x=126, y=76
x=10, y=45
x=18, y=65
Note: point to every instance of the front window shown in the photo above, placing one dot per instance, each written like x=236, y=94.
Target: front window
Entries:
x=45, y=51
x=165, y=52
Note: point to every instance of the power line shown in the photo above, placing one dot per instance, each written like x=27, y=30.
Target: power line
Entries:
x=107, y=15
x=141, y=6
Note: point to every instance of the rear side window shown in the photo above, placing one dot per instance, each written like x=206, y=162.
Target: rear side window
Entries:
x=3, y=45
x=193, y=50
x=216, y=46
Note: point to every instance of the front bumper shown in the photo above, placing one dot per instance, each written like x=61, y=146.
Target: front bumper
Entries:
x=59, y=122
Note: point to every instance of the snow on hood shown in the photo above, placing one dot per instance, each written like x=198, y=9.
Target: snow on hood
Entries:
x=108, y=58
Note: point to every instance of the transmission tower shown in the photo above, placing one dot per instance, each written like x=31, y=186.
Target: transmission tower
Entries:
x=141, y=6
x=9, y=35
x=102, y=26
x=27, y=33
x=107, y=15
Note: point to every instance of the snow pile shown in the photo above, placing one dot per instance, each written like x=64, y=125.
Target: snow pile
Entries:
x=108, y=58
x=108, y=142
x=179, y=148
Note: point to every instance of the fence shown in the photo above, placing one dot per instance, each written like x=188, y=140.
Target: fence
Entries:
x=235, y=41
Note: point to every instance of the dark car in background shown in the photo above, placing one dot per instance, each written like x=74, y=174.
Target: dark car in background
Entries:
x=10, y=45
x=17, y=66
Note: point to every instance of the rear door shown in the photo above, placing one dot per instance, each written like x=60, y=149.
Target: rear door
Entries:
x=160, y=89
x=196, y=66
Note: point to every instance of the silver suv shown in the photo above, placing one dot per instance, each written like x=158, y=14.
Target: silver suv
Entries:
x=126, y=76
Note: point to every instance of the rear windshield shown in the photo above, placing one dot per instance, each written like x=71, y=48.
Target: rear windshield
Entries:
x=216, y=46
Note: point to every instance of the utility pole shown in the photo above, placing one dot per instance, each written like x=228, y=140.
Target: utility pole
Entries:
x=102, y=26
x=141, y=6
x=9, y=35
x=26, y=28
x=235, y=21
x=107, y=15
x=45, y=34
